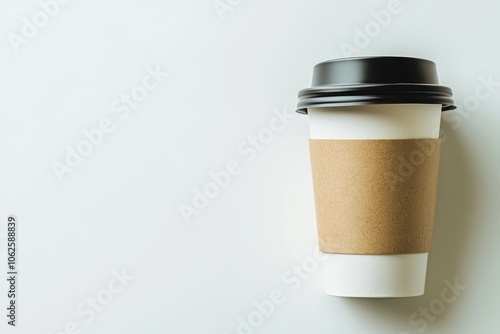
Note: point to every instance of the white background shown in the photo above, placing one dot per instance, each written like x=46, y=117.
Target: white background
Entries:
x=227, y=76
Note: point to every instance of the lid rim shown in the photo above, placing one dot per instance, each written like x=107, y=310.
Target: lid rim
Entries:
x=378, y=88
x=304, y=110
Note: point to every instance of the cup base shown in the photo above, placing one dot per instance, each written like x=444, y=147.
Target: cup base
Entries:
x=375, y=276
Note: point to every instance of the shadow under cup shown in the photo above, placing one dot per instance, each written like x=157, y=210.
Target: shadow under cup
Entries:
x=374, y=275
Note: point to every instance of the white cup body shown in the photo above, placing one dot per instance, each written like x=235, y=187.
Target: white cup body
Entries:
x=352, y=275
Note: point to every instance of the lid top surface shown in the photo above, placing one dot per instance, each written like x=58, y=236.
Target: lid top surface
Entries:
x=383, y=69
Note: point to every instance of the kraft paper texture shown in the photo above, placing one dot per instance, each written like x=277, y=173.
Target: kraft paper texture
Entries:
x=375, y=196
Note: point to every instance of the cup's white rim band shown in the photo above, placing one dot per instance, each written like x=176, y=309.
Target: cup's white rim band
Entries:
x=409, y=121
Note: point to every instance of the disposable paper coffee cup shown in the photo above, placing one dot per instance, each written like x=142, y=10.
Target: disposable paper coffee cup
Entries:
x=356, y=104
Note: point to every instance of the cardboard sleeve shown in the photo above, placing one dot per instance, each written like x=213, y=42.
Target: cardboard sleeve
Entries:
x=375, y=196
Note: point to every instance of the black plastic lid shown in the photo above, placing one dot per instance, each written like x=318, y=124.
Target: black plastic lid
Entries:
x=374, y=80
